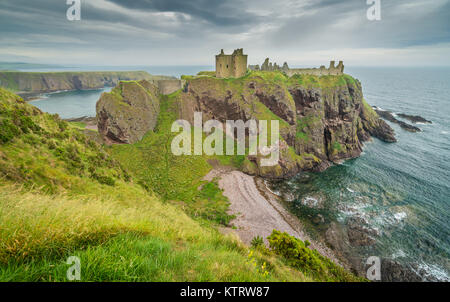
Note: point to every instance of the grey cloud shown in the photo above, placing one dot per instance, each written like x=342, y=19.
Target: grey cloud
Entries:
x=217, y=12
x=195, y=28
x=344, y=24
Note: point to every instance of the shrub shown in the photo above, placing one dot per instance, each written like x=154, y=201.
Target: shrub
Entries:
x=298, y=255
x=104, y=179
x=257, y=242
x=296, y=251
x=9, y=131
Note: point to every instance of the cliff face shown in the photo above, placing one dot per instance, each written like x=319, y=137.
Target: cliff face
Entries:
x=128, y=112
x=323, y=120
x=39, y=82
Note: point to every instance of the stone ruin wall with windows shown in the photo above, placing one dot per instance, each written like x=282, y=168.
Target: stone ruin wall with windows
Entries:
x=231, y=66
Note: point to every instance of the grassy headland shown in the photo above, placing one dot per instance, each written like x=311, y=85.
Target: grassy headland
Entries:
x=129, y=212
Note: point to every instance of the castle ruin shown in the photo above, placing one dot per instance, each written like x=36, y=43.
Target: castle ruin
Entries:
x=231, y=66
x=331, y=70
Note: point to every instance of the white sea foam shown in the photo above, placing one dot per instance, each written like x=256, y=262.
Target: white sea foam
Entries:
x=398, y=254
x=400, y=216
x=310, y=202
x=435, y=271
x=275, y=192
x=378, y=108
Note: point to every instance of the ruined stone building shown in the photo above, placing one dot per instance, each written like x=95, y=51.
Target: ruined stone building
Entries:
x=231, y=66
x=331, y=70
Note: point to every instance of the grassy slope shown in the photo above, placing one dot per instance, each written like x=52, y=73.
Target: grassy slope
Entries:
x=62, y=195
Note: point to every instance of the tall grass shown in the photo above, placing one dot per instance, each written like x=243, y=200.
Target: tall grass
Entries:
x=120, y=234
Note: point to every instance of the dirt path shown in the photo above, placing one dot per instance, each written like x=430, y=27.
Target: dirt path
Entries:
x=258, y=211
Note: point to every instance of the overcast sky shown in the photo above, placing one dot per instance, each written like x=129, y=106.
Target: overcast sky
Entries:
x=191, y=32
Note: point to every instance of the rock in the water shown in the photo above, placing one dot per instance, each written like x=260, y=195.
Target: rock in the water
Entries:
x=359, y=232
x=319, y=219
x=128, y=112
x=414, y=118
x=393, y=271
x=387, y=115
x=336, y=237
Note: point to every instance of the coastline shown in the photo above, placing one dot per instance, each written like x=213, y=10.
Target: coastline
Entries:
x=258, y=211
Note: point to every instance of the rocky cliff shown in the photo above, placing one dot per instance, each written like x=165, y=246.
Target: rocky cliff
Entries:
x=39, y=82
x=128, y=112
x=323, y=120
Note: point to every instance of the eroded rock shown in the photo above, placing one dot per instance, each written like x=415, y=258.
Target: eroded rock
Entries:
x=128, y=112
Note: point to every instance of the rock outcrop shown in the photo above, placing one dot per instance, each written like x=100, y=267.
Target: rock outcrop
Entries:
x=387, y=115
x=322, y=120
x=128, y=112
x=414, y=118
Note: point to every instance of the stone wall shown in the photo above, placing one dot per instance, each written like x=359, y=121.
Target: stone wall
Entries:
x=231, y=66
x=331, y=70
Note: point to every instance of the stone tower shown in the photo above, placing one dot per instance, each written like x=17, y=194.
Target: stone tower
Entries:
x=231, y=66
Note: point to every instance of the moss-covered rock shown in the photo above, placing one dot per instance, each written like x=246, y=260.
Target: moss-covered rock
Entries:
x=128, y=112
x=322, y=119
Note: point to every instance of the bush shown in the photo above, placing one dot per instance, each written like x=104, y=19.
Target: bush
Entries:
x=296, y=251
x=298, y=255
x=257, y=241
x=104, y=179
x=8, y=131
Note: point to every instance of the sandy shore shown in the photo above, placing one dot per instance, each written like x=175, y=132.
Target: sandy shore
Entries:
x=258, y=211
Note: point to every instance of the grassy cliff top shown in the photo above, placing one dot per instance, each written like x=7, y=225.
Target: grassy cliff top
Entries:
x=278, y=77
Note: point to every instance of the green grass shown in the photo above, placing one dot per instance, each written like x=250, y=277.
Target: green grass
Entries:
x=130, y=212
x=175, y=178
x=337, y=146
x=80, y=125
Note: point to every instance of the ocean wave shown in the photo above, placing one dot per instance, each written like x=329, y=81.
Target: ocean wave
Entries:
x=434, y=271
x=378, y=108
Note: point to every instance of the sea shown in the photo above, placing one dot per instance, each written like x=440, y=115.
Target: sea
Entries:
x=402, y=190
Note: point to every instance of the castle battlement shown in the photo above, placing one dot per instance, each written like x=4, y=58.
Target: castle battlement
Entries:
x=331, y=70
